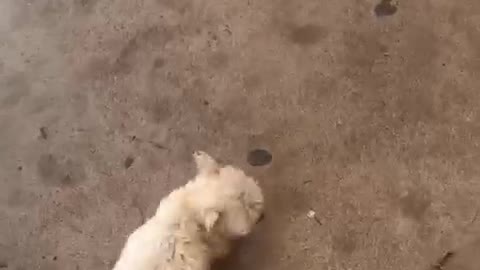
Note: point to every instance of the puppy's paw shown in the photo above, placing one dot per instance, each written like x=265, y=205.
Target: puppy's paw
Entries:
x=205, y=163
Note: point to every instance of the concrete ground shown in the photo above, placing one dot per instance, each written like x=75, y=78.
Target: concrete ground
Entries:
x=371, y=112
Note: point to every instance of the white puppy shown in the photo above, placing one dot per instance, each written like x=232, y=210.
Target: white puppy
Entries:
x=195, y=223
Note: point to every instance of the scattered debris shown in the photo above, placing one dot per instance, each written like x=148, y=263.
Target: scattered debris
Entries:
x=312, y=215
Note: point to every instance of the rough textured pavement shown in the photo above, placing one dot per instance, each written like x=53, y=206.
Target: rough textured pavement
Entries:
x=371, y=112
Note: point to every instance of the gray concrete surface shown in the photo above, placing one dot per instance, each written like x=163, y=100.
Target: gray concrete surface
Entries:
x=371, y=114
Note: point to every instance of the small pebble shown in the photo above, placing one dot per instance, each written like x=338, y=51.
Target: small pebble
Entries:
x=312, y=215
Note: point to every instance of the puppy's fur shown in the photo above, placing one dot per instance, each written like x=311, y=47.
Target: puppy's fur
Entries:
x=195, y=223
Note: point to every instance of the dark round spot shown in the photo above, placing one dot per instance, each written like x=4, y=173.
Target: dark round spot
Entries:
x=259, y=157
x=54, y=258
x=128, y=162
x=19, y=168
x=385, y=8
x=206, y=103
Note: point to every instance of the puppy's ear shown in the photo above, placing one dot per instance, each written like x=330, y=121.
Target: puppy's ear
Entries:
x=205, y=163
x=210, y=218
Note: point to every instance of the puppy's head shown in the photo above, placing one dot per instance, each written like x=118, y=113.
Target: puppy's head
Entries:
x=232, y=202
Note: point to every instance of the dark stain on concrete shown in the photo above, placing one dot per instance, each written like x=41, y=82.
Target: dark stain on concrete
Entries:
x=259, y=157
x=21, y=198
x=345, y=242
x=218, y=60
x=158, y=63
x=47, y=166
x=464, y=257
x=180, y=6
x=128, y=162
x=385, y=8
x=155, y=36
x=56, y=172
x=84, y=6
x=252, y=81
x=415, y=204
x=18, y=87
x=161, y=109
x=307, y=34
x=441, y=263
x=43, y=133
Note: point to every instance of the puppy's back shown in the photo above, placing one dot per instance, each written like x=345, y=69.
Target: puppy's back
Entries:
x=146, y=248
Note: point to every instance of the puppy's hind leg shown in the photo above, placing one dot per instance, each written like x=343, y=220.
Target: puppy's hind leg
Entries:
x=205, y=163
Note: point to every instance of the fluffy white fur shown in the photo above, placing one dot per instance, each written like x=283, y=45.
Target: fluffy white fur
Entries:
x=195, y=223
